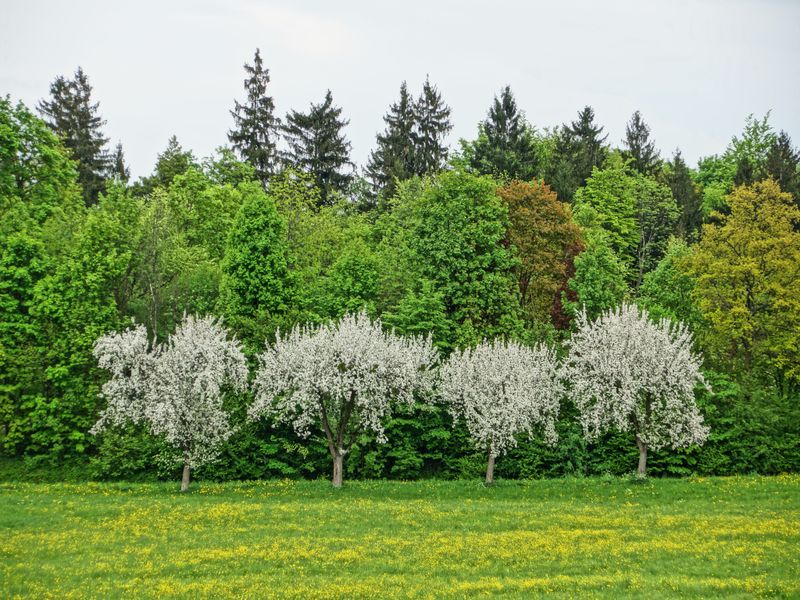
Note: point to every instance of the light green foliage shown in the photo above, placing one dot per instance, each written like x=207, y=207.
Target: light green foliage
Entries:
x=599, y=280
x=667, y=290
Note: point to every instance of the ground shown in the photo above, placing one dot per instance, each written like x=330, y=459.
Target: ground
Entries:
x=735, y=537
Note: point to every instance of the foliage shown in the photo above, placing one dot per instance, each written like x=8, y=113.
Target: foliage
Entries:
x=599, y=279
x=639, y=148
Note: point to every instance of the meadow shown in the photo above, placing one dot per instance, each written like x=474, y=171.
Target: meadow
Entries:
x=600, y=537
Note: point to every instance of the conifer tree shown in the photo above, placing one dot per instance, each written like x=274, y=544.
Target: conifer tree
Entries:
x=118, y=167
x=783, y=165
x=505, y=146
x=394, y=158
x=71, y=114
x=579, y=148
x=639, y=147
x=318, y=146
x=433, y=125
x=687, y=196
x=256, y=128
x=172, y=162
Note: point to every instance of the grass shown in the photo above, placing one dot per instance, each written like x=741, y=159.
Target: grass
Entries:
x=736, y=537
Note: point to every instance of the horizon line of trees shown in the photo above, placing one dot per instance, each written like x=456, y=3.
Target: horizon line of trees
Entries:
x=510, y=236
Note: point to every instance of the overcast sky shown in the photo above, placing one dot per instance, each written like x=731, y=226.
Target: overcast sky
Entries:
x=694, y=69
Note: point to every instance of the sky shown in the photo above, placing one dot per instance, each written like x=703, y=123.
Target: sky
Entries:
x=695, y=69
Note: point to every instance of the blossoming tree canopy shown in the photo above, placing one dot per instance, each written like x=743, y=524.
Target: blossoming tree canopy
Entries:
x=342, y=375
x=627, y=373
x=502, y=389
x=176, y=387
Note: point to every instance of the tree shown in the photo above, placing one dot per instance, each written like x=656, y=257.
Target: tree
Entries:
x=256, y=128
x=783, y=165
x=544, y=235
x=173, y=161
x=505, y=147
x=395, y=157
x=640, y=149
x=345, y=376
x=318, y=146
x=687, y=195
x=748, y=282
x=119, y=169
x=599, y=279
x=72, y=115
x=667, y=291
x=177, y=387
x=627, y=373
x=432, y=126
x=578, y=150
x=502, y=389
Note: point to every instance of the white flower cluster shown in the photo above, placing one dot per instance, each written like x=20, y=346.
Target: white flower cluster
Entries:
x=176, y=387
x=343, y=374
x=502, y=389
x=626, y=372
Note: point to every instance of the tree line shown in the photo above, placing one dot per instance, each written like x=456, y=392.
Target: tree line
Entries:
x=511, y=235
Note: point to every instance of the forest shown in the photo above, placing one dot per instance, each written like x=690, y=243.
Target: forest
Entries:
x=520, y=234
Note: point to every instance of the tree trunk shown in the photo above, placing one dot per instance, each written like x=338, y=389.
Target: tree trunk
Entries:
x=338, y=463
x=185, y=478
x=642, y=456
x=490, y=469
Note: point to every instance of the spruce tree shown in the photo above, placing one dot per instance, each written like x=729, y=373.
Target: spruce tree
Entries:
x=318, y=146
x=395, y=156
x=687, y=196
x=173, y=161
x=639, y=147
x=505, y=146
x=256, y=128
x=579, y=148
x=71, y=114
x=118, y=168
x=783, y=165
x=433, y=125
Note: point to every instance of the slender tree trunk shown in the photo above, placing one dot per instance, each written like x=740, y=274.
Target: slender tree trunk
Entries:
x=338, y=464
x=185, y=478
x=490, y=469
x=642, y=455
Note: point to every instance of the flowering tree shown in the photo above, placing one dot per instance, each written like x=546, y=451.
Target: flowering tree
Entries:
x=627, y=373
x=343, y=376
x=177, y=387
x=502, y=389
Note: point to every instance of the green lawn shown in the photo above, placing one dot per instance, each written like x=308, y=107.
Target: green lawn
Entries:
x=583, y=537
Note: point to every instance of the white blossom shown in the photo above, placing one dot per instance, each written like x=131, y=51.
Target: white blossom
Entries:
x=503, y=389
x=176, y=387
x=342, y=375
x=627, y=373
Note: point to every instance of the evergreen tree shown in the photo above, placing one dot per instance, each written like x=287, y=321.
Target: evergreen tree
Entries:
x=505, y=147
x=687, y=196
x=318, y=146
x=256, y=128
x=579, y=149
x=118, y=168
x=72, y=115
x=783, y=165
x=172, y=162
x=394, y=158
x=433, y=125
x=639, y=147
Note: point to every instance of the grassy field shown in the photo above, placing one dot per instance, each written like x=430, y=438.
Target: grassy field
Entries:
x=736, y=537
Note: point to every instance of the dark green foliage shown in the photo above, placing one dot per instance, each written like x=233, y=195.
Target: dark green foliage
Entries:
x=318, y=146
x=71, y=113
x=432, y=126
x=639, y=148
x=394, y=159
x=255, y=128
x=687, y=196
x=505, y=147
x=172, y=162
x=783, y=165
x=119, y=169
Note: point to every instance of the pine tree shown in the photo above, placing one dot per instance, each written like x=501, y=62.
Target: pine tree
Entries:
x=639, y=147
x=505, y=146
x=394, y=158
x=72, y=115
x=318, y=146
x=256, y=128
x=687, y=196
x=118, y=168
x=433, y=125
x=783, y=165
